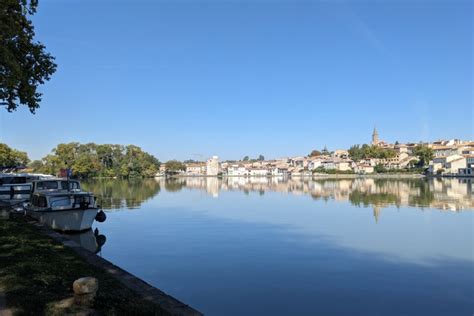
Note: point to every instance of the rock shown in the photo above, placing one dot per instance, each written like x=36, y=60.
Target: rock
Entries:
x=85, y=285
x=85, y=290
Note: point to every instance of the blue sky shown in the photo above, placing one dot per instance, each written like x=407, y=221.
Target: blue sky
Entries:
x=235, y=78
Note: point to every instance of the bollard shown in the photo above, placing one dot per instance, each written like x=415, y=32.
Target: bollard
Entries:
x=85, y=290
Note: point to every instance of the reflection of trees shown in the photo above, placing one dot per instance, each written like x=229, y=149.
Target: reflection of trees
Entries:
x=366, y=199
x=424, y=197
x=115, y=193
x=174, y=185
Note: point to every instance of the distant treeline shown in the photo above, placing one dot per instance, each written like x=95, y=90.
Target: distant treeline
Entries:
x=93, y=160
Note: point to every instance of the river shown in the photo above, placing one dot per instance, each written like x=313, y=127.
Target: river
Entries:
x=270, y=246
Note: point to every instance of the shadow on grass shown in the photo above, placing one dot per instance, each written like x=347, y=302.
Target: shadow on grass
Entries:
x=37, y=272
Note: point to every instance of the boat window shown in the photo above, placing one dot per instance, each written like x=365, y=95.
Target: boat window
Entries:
x=18, y=180
x=59, y=201
x=73, y=185
x=46, y=185
x=13, y=180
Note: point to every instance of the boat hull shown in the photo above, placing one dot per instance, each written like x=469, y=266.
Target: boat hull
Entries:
x=72, y=220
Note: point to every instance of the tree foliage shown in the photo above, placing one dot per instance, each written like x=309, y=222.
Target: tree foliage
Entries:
x=424, y=154
x=10, y=157
x=357, y=152
x=24, y=63
x=91, y=160
x=315, y=153
x=174, y=166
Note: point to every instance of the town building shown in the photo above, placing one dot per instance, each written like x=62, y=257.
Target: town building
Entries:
x=196, y=169
x=212, y=166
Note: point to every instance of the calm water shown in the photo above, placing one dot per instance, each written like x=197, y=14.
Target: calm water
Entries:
x=294, y=247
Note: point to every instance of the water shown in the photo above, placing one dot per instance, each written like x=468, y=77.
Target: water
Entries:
x=292, y=247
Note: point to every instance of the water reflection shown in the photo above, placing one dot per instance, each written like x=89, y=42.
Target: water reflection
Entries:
x=91, y=240
x=300, y=247
x=119, y=194
x=445, y=194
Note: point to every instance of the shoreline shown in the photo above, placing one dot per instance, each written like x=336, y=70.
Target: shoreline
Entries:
x=131, y=287
x=312, y=177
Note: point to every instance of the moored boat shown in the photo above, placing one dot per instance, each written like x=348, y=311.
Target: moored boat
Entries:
x=15, y=188
x=62, y=205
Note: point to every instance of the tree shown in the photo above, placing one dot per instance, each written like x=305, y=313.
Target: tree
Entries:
x=357, y=152
x=424, y=154
x=246, y=158
x=174, y=166
x=36, y=165
x=379, y=168
x=90, y=160
x=24, y=64
x=261, y=158
x=10, y=157
x=315, y=153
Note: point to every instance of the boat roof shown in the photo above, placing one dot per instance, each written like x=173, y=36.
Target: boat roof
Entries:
x=55, y=179
x=60, y=192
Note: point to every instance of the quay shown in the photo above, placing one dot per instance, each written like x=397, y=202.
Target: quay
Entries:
x=39, y=265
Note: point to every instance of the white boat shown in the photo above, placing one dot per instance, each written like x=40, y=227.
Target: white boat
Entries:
x=15, y=188
x=62, y=205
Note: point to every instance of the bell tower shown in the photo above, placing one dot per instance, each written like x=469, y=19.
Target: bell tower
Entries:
x=375, y=137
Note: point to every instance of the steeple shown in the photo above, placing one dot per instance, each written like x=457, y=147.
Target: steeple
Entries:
x=375, y=137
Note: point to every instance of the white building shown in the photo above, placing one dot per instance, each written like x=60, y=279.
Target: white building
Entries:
x=447, y=164
x=195, y=169
x=212, y=166
x=237, y=170
x=258, y=172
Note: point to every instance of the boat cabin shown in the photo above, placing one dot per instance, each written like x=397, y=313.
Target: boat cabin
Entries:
x=56, y=185
x=62, y=201
x=60, y=194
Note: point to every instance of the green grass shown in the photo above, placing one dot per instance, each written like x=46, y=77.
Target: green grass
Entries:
x=36, y=272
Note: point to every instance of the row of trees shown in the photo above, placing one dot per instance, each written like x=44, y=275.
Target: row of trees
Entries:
x=316, y=153
x=93, y=160
x=10, y=157
x=259, y=158
x=357, y=152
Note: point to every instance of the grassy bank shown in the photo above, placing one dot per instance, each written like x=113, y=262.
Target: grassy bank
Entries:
x=37, y=272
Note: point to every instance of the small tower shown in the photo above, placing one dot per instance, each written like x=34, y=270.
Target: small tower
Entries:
x=375, y=137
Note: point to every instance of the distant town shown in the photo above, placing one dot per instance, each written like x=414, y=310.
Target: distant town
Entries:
x=442, y=158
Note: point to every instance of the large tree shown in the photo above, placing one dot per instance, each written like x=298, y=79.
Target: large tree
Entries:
x=24, y=63
x=424, y=154
x=105, y=160
x=175, y=166
x=10, y=157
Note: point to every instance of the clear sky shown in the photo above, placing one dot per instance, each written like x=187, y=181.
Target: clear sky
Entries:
x=235, y=78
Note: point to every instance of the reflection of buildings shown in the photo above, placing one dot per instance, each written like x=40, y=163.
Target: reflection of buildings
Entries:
x=445, y=194
x=376, y=213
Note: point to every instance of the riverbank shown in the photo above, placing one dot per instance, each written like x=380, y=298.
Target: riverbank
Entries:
x=38, y=268
x=316, y=176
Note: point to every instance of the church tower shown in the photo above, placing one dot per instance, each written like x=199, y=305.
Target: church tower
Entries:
x=375, y=137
